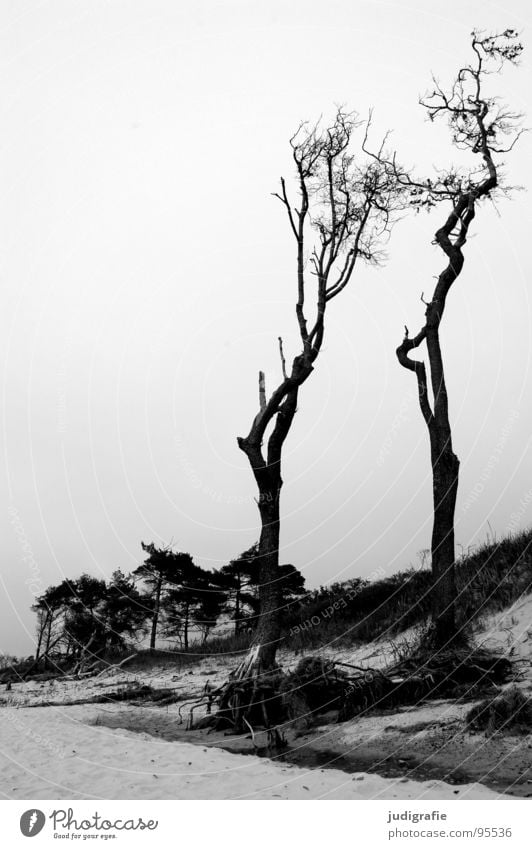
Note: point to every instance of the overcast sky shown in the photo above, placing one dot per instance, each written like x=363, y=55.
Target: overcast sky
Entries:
x=146, y=273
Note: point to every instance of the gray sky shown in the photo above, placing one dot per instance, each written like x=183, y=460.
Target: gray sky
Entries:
x=147, y=272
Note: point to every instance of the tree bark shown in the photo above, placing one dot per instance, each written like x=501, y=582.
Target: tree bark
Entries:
x=268, y=629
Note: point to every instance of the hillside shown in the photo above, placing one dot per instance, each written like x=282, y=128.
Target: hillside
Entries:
x=489, y=578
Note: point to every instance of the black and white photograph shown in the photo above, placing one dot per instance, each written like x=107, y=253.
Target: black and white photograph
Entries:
x=266, y=350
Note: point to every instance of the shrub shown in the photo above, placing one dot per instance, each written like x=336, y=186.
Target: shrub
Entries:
x=509, y=713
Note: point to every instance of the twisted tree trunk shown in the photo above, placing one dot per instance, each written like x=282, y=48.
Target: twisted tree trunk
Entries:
x=267, y=473
x=444, y=462
x=480, y=124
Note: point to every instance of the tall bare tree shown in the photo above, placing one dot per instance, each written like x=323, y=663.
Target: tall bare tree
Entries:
x=345, y=210
x=480, y=124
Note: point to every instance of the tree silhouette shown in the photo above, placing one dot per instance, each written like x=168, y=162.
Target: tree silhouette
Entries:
x=345, y=209
x=480, y=124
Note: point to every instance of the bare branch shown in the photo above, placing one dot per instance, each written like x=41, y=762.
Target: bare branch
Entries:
x=344, y=213
x=283, y=361
x=284, y=200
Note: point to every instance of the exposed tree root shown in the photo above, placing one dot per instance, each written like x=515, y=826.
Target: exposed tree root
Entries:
x=271, y=700
x=428, y=675
x=250, y=699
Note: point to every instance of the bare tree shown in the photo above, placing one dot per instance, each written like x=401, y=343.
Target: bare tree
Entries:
x=480, y=124
x=345, y=210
